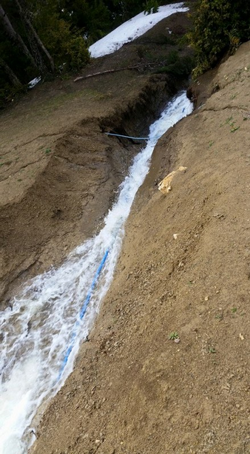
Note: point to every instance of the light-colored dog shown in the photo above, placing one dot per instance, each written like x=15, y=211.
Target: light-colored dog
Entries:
x=165, y=185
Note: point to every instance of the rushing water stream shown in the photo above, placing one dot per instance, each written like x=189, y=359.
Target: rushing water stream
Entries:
x=41, y=332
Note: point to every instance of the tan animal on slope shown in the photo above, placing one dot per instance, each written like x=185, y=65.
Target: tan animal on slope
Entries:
x=165, y=185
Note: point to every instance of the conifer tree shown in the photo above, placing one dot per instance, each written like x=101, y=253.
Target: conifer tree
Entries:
x=219, y=26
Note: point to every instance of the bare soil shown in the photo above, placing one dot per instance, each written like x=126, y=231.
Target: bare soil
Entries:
x=184, y=273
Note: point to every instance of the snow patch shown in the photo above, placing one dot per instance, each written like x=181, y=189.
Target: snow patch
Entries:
x=34, y=82
x=132, y=29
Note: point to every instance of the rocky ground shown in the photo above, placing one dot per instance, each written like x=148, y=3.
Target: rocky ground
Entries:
x=166, y=366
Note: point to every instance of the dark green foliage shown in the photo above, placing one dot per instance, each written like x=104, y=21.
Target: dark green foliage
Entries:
x=177, y=66
x=64, y=42
x=93, y=18
x=219, y=27
x=129, y=8
x=151, y=6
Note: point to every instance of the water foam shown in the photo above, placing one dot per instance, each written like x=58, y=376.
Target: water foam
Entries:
x=38, y=328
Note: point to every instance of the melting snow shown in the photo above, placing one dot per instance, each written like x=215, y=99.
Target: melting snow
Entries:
x=132, y=29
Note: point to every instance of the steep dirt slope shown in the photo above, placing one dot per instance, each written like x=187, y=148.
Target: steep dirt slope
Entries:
x=58, y=171
x=184, y=273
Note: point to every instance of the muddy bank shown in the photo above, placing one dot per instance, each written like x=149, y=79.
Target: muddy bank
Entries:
x=73, y=192
x=183, y=276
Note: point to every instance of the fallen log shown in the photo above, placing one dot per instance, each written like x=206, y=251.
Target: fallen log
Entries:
x=100, y=73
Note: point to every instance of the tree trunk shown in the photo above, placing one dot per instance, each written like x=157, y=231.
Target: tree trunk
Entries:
x=14, y=36
x=32, y=32
x=38, y=57
x=11, y=75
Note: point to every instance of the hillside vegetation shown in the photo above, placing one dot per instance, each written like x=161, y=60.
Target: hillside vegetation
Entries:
x=219, y=26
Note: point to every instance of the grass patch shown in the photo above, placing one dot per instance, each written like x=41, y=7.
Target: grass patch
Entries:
x=174, y=335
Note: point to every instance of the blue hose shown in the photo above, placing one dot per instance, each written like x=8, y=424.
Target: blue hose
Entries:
x=82, y=313
x=97, y=274
x=126, y=137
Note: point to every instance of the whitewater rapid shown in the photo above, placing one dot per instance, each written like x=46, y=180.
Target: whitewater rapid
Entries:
x=42, y=329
